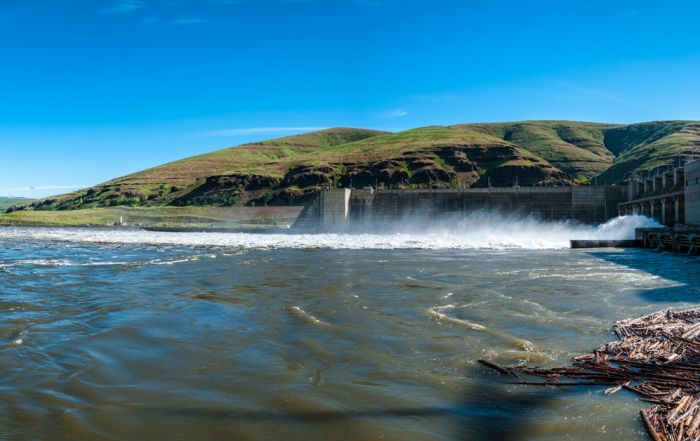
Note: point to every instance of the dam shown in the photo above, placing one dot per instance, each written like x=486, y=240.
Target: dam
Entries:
x=348, y=210
x=671, y=197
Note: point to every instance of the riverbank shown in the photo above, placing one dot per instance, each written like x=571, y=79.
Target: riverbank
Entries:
x=161, y=218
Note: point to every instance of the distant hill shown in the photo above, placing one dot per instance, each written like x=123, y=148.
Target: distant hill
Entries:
x=7, y=202
x=287, y=170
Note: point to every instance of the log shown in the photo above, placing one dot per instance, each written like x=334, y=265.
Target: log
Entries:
x=650, y=427
x=500, y=370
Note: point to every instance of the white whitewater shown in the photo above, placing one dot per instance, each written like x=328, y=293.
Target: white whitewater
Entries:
x=479, y=230
x=306, y=317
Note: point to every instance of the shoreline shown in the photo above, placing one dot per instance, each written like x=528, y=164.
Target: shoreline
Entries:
x=262, y=230
x=180, y=219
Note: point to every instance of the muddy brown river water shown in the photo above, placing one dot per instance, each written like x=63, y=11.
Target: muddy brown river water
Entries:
x=146, y=336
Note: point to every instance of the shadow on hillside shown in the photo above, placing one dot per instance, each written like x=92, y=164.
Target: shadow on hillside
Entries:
x=681, y=269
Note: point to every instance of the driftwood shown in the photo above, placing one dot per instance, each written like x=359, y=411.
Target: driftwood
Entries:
x=656, y=357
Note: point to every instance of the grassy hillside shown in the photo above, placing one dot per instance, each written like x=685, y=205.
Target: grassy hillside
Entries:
x=288, y=170
x=264, y=162
x=610, y=153
x=7, y=202
x=642, y=147
x=577, y=149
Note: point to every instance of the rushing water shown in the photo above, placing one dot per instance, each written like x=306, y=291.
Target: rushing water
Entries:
x=143, y=336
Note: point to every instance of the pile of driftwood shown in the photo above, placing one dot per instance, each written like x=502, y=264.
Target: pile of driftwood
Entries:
x=656, y=357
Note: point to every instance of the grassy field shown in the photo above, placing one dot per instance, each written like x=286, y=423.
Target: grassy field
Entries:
x=7, y=202
x=171, y=217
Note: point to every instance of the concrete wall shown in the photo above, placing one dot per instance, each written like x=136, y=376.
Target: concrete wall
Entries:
x=342, y=210
x=310, y=217
x=379, y=209
x=692, y=193
x=584, y=204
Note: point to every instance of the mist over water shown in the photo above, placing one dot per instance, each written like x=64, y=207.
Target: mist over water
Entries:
x=499, y=230
x=478, y=230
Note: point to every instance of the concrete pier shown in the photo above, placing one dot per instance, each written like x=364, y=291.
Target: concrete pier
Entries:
x=682, y=240
x=328, y=211
x=335, y=209
x=603, y=243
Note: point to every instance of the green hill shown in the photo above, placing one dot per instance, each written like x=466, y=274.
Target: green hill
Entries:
x=578, y=149
x=288, y=170
x=642, y=147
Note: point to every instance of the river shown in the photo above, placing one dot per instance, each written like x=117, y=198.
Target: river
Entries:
x=132, y=335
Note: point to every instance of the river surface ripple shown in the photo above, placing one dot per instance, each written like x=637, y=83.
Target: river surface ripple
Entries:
x=180, y=342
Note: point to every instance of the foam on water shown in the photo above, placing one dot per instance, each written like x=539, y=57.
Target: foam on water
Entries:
x=439, y=314
x=436, y=313
x=477, y=230
x=7, y=266
x=306, y=317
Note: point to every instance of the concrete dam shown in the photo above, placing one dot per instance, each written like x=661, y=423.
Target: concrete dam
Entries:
x=348, y=210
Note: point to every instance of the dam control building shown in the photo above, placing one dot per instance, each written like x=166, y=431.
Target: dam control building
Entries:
x=672, y=197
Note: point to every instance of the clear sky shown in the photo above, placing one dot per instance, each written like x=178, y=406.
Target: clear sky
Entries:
x=94, y=89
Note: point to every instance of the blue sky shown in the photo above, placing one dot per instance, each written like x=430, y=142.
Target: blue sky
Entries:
x=95, y=89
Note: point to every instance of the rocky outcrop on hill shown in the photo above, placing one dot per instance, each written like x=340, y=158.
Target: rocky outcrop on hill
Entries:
x=226, y=190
